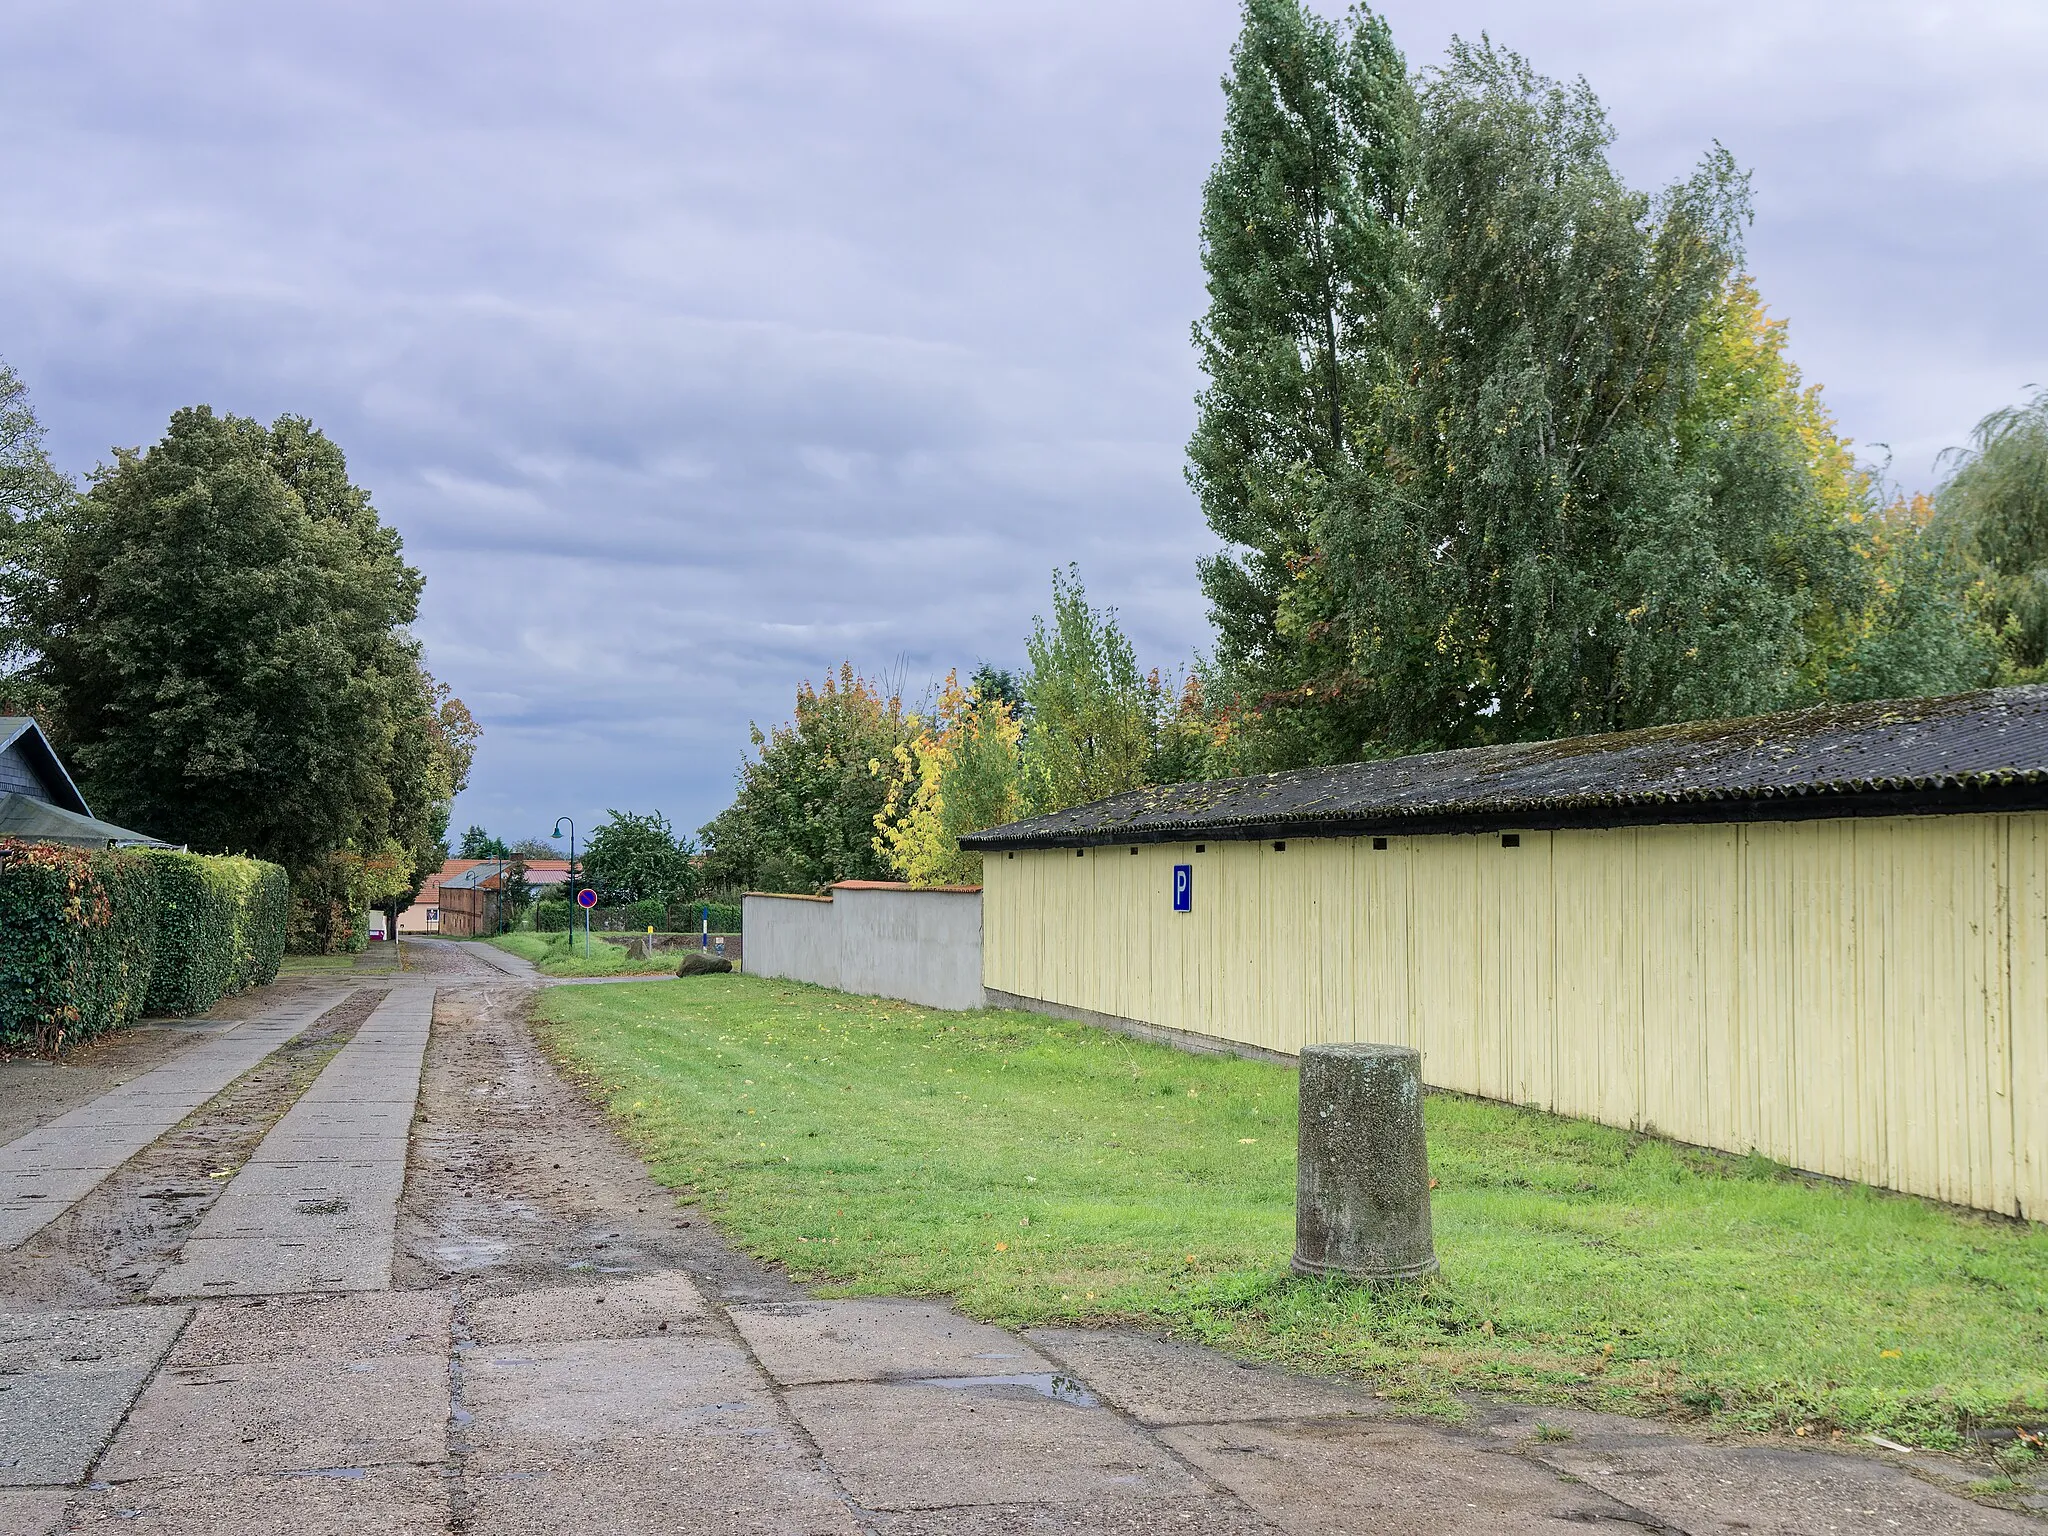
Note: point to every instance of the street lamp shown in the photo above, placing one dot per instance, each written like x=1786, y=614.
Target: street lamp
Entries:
x=557, y=835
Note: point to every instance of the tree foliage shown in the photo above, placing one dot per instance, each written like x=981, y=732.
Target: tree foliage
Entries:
x=1090, y=711
x=960, y=773
x=1305, y=258
x=1560, y=475
x=1993, y=510
x=639, y=858
x=804, y=815
x=478, y=844
x=219, y=632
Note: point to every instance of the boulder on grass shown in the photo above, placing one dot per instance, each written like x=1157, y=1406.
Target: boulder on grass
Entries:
x=700, y=964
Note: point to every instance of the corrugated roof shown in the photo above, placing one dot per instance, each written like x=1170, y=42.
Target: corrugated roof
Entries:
x=1974, y=751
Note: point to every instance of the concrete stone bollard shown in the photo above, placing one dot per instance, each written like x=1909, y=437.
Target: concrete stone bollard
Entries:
x=1361, y=1203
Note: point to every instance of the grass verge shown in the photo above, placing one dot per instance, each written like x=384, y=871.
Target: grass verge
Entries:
x=1038, y=1171
x=562, y=954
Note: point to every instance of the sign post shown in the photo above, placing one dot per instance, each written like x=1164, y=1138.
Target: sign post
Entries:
x=586, y=899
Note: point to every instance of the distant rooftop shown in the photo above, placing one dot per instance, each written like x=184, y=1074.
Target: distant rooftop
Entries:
x=1967, y=752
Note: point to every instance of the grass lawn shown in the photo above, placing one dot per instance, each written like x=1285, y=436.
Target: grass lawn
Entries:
x=561, y=954
x=1039, y=1171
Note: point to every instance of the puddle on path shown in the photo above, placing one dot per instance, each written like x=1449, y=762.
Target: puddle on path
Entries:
x=1061, y=1389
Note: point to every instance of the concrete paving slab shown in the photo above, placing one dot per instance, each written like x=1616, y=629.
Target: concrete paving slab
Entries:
x=641, y=1307
x=32, y=1511
x=1772, y=1491
x=278, y=1266
x=331, y=1329
x=906, y=1445
x=357, y=1177
x=749, y=1483
x=1103, y=1517
x=374, y=1501
x=1158, y=1381
x=66, y=1378
x=802, y=1343
x=1354, y=1478
x=259, y=1240
x=105, y=1133
x=631, y=1435
x=284, y=1416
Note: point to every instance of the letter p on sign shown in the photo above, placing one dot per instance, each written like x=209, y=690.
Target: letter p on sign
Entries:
x=1183, y=887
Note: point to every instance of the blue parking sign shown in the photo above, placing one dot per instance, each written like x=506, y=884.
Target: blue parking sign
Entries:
x=1183, y=887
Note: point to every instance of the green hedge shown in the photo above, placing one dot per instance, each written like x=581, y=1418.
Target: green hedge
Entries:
x=196, y=906
x=77, y=941
x=725, y=916
x=220, y=928
x=552, y=916
x=262, y=918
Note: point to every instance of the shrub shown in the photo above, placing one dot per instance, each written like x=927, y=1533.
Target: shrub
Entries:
x=262, y=914
x=197, y=903
x=645, y=914
x=725, y=917
x=77, y=940
x=552, y=916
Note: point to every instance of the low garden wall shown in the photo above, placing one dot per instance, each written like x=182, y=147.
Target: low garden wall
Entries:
x=875, y=937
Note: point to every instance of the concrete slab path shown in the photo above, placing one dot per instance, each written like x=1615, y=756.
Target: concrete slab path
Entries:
x=315, y=1208
x=511, y=1328
x=47, y=1171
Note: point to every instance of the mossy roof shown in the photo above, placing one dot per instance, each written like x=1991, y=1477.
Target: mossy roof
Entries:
x=1979, y=751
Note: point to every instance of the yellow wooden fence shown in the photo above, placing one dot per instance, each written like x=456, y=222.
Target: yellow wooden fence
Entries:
x=1862, y=998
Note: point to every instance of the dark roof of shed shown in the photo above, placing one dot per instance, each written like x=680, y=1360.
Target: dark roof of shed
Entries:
x=1973, y=751
x=22, y=731
x=38, y=821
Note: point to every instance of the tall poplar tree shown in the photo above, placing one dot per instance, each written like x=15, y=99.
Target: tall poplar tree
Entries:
x=1303, y=250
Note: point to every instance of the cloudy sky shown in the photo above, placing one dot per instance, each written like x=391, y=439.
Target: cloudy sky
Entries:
x=696, y=347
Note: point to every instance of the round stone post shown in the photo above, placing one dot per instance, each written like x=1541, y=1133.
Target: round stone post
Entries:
x=1361, y=1206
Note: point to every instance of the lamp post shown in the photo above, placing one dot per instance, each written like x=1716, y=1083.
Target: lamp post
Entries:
x=557, y=834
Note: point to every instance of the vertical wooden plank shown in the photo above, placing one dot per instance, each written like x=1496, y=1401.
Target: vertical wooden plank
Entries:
x=2028, y=951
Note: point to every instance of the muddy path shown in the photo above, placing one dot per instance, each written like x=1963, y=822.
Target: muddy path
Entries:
x=516, y=1184
x=109, y=1249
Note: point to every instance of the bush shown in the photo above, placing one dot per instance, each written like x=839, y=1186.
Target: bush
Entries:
x=725, y=917
x=77, y=941
x=197, y=903
x=645, y=914
x=552, y=916
x=220, y=928
x=262, y=914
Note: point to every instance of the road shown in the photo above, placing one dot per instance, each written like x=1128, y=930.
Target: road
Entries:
x=354, y=1257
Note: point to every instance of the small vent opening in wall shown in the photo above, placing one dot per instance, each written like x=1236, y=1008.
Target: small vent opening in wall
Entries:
x=1379, y=845
x=1279, y=847
x=1511, y=839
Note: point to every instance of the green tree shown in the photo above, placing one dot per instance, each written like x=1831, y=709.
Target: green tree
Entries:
x=479, y=844
x=1091, y=712
x=805, y=812
x=513, y=895
x=1304, y=251
x=32, y=491
x=1994, y=509
x=639, y=858
x=219, y=629
x=1534, y=553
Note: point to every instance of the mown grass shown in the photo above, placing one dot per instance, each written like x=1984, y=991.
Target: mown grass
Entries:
x=1039, y=1171
x=562, y=954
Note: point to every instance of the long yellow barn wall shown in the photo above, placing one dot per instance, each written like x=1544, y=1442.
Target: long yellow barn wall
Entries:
x=1863, y=998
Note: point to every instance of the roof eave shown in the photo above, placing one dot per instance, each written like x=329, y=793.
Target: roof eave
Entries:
x=2029, y=793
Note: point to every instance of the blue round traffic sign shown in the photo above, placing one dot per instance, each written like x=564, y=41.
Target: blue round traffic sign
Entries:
x=586, y=897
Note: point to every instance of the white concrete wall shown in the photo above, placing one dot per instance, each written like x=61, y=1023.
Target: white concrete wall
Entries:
x=796, y=937
x=921, y=946
x=885, y=941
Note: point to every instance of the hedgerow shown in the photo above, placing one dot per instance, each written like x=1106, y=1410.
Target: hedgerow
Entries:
x=262, y=916
x=77, y=941
x=198, y=901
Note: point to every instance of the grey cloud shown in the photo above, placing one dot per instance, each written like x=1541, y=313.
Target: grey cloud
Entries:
x=694, y=349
